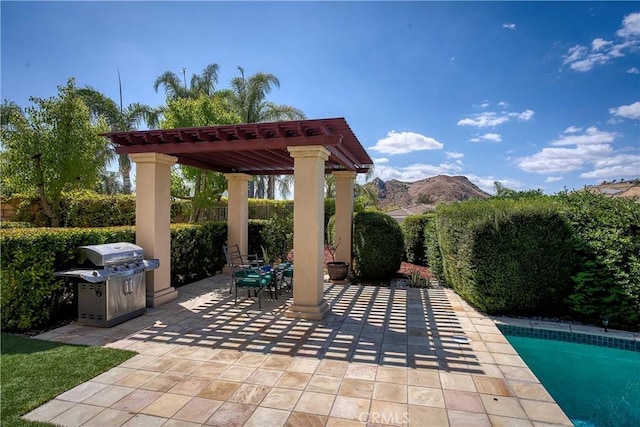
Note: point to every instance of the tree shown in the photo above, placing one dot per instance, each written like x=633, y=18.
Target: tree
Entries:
x=174, y=88
x=208, y=186
x=248, y=97
x=118, y=119
x=201, y=84
x=53, y=146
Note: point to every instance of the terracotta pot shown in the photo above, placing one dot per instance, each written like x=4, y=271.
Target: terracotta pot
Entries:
x=337, y=270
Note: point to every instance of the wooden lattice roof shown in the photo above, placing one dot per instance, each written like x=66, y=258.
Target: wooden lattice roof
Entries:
x=252, y=148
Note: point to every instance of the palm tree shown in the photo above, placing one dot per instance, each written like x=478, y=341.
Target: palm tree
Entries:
x=118, y=119
x=176, y=88
x=248, y=96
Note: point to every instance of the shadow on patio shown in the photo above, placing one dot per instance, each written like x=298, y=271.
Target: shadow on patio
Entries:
x=415, y=328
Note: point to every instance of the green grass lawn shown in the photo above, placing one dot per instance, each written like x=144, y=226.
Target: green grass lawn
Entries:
x=35, y=371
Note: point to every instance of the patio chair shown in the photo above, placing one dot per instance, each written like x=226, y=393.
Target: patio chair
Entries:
x=236, y=261
x=249, y=276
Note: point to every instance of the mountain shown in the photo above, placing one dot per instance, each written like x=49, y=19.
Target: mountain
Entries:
x=437, y=189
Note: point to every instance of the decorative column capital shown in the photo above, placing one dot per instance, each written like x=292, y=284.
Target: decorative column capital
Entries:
x=237, y=177
x=153, y=158
x=310, y=151
x=344, y=174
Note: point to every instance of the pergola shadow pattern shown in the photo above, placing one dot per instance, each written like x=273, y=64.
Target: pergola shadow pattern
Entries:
x=367, y=324
x=383, y=356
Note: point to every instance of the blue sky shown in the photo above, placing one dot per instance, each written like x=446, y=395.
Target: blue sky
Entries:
x=534, y=95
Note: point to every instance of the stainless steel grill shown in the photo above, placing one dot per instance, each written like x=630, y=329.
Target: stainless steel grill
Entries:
x=111, y=283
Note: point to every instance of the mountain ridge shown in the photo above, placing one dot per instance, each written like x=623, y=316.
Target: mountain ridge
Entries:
x=432, y=190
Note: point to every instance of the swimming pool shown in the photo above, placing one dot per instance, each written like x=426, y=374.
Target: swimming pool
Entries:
x=595, y=386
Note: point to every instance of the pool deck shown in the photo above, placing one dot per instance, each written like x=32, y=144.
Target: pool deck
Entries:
x=418, y=357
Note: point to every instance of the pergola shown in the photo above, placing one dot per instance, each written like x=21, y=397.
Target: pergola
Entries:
x=308, y=149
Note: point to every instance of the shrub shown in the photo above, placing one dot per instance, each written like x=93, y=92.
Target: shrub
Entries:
x=329, y=211
x=507, y=256
x=607, y=280
x=256, y=243
x=196, y=251
x=432, y=250
x=90, y=209
x=32, y=297
x=277, y=235
x=378, y=245
x=413, y=230
x=15, y=224
x=330, y=231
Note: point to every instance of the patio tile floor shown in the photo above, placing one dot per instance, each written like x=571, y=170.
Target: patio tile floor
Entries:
x=383, y=356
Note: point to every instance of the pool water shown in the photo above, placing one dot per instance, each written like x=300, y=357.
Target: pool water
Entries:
x=595, y=386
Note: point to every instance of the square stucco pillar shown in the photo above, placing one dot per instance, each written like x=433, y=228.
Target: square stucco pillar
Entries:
x=344, y=214
x=308, y=233
x=238, y=210
x=153, y=217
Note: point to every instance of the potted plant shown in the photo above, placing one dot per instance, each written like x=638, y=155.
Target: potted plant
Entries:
x=337, y=270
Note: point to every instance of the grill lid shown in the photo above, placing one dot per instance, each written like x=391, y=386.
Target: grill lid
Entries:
x=110, y=254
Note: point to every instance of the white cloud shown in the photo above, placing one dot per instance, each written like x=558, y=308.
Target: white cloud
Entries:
x=493, y=119
x=417, y=171
x=405, y=142
x=503, y=104
x=576, y=150
x=633, y=70
x=495, y=137
x=631, y=111
x=598, y=44
x=453, y=155
x=525, y=116
x=591, y=136
x=582, y=58
x=487, y=183
x=620, y=166
x=380, y=160
x=572, y=129
x=630, y=26
x=509, y=26
x=559, y=160
x=553, y=179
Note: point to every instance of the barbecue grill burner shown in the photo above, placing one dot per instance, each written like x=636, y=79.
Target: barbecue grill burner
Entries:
x=111, y=282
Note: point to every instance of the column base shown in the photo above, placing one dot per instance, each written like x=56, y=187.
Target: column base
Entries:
x=309, y=312
x=158, y=298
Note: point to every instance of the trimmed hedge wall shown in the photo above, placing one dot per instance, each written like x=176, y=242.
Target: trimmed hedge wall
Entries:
x=90, y=209
x=413, y=230
x=432, y=250
x=378, y=245
x=508, y=256
x=31, y=297
x=607, y=281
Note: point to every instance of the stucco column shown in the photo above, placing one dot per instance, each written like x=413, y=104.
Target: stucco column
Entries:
x=153, y=217
x=308, y=233
x=238, y=210
x=344, y=214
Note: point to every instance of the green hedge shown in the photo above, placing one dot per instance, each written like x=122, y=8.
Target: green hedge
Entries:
x=15, y=224
x=507, y=256
x=30, y=295
x=607, y=281
x=378, y=245
x=413, y=230
x=196, y=251
x=432, y=250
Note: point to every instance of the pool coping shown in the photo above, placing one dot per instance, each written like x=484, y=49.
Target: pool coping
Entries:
x=569, y=332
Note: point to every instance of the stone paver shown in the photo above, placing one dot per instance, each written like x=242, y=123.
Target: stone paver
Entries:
x=417, y=357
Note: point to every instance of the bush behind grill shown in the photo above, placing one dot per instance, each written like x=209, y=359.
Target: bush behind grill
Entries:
x=31, y=297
